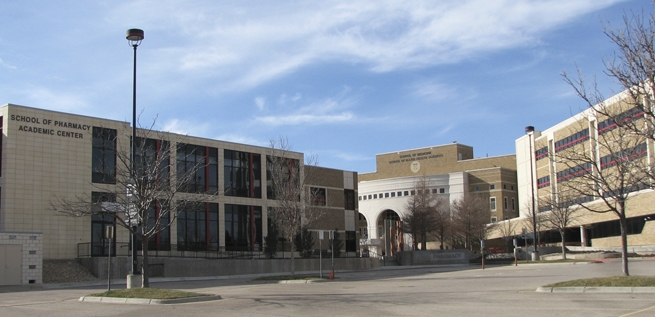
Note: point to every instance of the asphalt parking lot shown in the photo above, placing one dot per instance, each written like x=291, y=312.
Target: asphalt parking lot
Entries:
x=397, y=291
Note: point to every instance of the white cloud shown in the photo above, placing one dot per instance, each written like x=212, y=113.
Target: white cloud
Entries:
x=184, y=127
x=432, y=90
x=59, y=101
x=260, y=102
x=298, y=119
x=242, y=139
x=6, y=65
x=246, y=45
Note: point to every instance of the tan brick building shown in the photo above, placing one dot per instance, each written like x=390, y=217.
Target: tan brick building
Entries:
x=542, y=169
x=451, y=170
x=48, y=156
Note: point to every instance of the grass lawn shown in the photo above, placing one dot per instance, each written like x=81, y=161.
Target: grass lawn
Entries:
x=151, y=293
x=613, y=281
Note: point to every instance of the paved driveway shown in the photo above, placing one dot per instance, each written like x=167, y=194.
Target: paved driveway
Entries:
x=417, y=291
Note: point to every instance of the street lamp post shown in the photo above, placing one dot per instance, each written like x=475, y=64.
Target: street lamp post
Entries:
x=134, y=38
x=530, y=131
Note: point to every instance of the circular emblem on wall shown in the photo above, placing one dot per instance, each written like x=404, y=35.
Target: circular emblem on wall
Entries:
x=415, y=166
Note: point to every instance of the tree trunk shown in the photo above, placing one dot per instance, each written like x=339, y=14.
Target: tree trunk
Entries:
x=563, y=235
x=624, y=246
x=293, y=258
x=145, y=282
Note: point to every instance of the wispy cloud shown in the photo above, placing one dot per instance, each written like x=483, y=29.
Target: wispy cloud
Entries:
x=298, y=119
x=56, y=100
x=6, y=65
x=184, y=127
x=252, y=45
x=242, y=139
x=260, y=102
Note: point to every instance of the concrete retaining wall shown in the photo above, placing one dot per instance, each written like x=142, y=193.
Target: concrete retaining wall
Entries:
x=428, y=257
x=187, y=267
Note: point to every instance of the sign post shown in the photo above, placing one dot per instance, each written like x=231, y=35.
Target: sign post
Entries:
x=516, y=258
x=482, y=252
x=109, y=234
x=332, y=240
x=320, y=254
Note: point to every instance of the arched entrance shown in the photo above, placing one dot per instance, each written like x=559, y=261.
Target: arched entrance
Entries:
x=390, y=232
x=364, y=239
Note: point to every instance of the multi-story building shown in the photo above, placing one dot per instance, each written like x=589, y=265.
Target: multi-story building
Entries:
x=552, y=160
x=48, y=157
x=451, y=171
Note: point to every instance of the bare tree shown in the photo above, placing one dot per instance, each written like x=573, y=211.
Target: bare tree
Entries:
x=536, y=222
x=506, y=229
x=632, y=66
x=443, y=224
x=609, y=167
x=471, y=215
x=560, y=211
x=145, y=200
x=423, y=213
x=296, y=201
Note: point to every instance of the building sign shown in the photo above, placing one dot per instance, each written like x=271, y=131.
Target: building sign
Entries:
x=64, y=129
x=402, y=158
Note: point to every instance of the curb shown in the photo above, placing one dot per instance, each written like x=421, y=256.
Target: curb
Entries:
x=606, y=290
x=147, y=301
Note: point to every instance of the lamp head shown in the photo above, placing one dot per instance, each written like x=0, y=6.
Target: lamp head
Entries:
x=134, y=37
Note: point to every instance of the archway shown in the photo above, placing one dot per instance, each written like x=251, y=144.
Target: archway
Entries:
x=364, y=239
x=390, y=232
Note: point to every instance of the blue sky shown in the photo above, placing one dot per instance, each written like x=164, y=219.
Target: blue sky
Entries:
x=343, y=80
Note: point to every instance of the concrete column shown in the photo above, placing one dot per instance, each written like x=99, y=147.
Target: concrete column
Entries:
x=583, y=236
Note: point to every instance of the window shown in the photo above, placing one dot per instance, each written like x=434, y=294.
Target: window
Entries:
x=400, y=194
x=442, y=190
x=573, y=172
x=543, y=182
x=572, y=140
x=492, y=203
x=197, y=168
x=148, y=158
x=99, y=223
x=243, y=228
x=386, y=195
x=629, y=154
x=349, y=199
x=505, y=203
x=627, y=116
x=242, y=174
x=393, y=194
x=513, y=204
x=413, y=192
x=161, y=241
x=197, y=228
x=494, y=219
x=104, y=156
x=351, y=241
x=370, y=196
x=541, y=153
x=406, y=193
x=287, y=168
x=477, y=188
x=318, y=196
x=492, y=186
x=375, y=196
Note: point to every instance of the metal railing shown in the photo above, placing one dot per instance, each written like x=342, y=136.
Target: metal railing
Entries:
x=122, y=249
